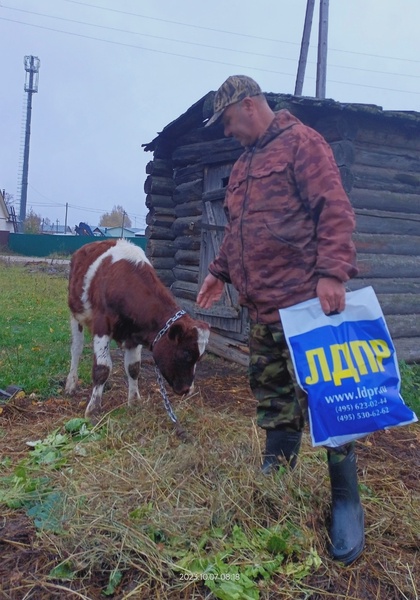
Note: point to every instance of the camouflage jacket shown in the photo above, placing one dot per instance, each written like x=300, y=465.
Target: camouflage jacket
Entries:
x=290, y=221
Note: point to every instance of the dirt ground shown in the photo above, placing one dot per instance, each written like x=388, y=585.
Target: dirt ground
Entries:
x=395, y=455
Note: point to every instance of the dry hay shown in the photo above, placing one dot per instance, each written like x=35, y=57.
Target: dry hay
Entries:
x=140, y=499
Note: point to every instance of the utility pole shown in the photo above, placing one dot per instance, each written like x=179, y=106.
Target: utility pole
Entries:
x=32, y=64
x=304, y=47
x=321, y=74
x=122, y=225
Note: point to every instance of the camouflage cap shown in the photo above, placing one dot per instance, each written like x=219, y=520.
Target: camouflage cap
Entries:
x=234, y=89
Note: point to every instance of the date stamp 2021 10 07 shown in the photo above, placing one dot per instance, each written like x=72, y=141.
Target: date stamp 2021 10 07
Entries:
x=209, y=576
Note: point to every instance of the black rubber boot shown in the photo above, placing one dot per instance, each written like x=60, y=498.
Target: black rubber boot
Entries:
x=280, y=447
x=347, y=536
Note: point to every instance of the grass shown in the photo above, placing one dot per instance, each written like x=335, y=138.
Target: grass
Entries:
x=35, y=336
x=128, y=510
x=34, y=331
x=167, y=515
x=410, y=385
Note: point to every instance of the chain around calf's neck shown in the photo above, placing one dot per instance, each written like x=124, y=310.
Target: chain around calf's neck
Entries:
x=167, y=325
x=167, y=403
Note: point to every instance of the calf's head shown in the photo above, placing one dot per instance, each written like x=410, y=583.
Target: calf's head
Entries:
x=176, y=353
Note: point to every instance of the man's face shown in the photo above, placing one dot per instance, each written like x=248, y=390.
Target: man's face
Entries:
x=238, y=124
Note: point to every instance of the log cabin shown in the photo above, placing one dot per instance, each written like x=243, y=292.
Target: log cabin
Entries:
x=378, y=154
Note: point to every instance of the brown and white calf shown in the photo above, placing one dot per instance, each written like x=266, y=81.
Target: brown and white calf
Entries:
x=116, y=294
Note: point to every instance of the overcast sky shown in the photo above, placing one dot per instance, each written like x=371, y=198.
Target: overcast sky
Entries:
x=113, y=73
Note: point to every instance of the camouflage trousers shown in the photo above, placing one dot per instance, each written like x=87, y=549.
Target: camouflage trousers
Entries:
x=281, y=403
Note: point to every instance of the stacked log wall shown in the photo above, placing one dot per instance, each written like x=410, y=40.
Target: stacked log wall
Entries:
x=160, y=247
x=380, y=161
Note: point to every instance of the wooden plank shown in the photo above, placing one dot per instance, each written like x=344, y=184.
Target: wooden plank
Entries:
x=400, y=304
x=200, y=152
x=185, y=289
x=163, y=263
x=159, y=248
x=186, y=226
x=188, y=173
x=189, y=209
x=219, y=310
x=187, y=257
x=160, y=233
x=392, y=266
x=401, y=135
x=385, y=200
x=387, y=158
x=160, y=167
x=403, y=326
x=159, y=219
x=187, y=242
x=387, y=285
x=371, y=221
x=408, y=349
x=188, y=192
x=159, y=185
x=228, y=349
x=159, y=201
x=193, y=309
x=215, y=195
x=168, y=211
x=221, y=158
x=186, y=273
x=385, y=179
x=380, y=243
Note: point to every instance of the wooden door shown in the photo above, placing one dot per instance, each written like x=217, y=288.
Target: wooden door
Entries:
x=227, y=316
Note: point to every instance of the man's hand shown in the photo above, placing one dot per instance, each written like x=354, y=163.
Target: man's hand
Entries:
x=210, y=292
x=332, y=295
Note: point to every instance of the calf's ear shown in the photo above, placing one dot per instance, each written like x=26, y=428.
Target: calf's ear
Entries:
x=175, y=332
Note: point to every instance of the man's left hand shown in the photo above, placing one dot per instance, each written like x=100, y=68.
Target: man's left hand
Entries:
x=332, y=294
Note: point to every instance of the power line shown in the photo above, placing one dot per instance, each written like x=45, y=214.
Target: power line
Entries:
x=236, y=33
x=84, y=36
x=51, y=204
x=166, y=39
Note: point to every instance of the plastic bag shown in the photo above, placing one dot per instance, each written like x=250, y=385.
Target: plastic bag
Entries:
x=347, y=365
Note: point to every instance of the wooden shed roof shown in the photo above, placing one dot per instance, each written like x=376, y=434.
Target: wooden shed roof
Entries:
x=202, y=110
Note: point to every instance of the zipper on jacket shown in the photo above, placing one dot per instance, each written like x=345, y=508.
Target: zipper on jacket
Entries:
x=245, y=204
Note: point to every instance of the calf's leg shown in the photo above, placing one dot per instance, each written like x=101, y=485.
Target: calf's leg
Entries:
x=102, y=365
x=132, y=360
x=77, y=340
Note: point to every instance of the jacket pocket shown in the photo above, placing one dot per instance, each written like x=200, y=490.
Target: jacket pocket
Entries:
x=268, y=169
x=293, y=233
x=270, y=187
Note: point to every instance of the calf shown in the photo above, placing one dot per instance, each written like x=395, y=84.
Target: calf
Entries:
x=115, y=292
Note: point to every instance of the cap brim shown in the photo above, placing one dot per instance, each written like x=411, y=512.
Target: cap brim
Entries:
x=214, y=118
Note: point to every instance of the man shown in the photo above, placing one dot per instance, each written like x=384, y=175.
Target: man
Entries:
x=288, y=239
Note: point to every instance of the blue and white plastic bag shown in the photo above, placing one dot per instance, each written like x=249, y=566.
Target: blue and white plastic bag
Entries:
x=347, y=365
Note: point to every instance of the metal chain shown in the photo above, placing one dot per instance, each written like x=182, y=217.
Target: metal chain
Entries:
x=167, y=325
x=166, y=401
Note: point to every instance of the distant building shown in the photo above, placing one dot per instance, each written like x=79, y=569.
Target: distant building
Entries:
x=6, y=222
x=118, y=232
x=54, y=229
x=99, y=231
